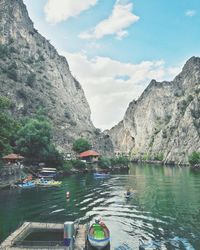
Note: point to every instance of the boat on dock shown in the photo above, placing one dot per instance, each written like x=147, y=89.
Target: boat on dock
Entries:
x=98, y=235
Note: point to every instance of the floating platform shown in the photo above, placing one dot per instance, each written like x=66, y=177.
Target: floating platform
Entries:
x=18, y=239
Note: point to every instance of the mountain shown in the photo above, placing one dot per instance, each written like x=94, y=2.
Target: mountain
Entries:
x=164, y=123
x=34, y=76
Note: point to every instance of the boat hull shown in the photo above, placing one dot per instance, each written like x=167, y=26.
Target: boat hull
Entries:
x=27, y=185
x=99, y=244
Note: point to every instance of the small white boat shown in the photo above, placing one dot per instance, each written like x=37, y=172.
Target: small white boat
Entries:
x=98, y=235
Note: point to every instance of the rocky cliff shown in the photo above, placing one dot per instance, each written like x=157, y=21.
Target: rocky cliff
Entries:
x=164, y=123
x=34, y=75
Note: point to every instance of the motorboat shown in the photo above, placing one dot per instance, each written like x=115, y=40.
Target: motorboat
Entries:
x=98, y=235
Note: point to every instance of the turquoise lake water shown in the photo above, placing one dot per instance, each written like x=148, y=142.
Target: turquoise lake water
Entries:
x=164, y=209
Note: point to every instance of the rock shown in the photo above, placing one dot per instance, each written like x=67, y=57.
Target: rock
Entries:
x=164, y=123
x=34, y=76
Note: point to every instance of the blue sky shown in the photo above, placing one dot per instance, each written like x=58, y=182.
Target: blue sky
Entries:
x=122, y=44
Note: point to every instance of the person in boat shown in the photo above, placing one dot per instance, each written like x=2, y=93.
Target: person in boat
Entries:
x=100, y=222
x=128, y=192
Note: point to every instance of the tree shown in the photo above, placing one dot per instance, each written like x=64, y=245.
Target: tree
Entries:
x=8, y=126
x=34, y=141
x=194, y=158
x=81, y=145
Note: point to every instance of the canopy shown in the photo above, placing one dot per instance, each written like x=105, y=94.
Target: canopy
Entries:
x=88, y=153
x=13, y=157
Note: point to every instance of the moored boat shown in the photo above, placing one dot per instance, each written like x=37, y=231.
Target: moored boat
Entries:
x=48, y=183
x=98, y=235
x=28, y=184
x=101, y=175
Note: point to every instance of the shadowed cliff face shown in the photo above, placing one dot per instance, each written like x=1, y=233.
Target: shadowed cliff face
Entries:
x=34, y=76
x=164, y=123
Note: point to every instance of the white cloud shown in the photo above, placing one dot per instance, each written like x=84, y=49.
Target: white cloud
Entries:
x=60, y=10
x=190, y=13
x=117, y=23
x=110, y=85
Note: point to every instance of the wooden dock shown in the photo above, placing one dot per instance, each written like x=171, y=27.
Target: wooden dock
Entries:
x=80, y=238
x=28, y=227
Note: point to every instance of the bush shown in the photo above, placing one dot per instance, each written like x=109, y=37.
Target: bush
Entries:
x=159, y=157
x=194, y=158
x=31, y=79
x=3, y=51
x=81, y=145
x=121, y=160
x=104, y=162
x=78, y=164
x=11, y=71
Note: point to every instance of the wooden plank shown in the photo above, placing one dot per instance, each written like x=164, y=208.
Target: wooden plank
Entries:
x=80, y=238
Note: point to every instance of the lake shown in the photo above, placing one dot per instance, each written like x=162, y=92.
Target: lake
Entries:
x=164, y=209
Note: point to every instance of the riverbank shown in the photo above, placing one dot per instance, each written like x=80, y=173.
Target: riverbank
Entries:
x=12, y=174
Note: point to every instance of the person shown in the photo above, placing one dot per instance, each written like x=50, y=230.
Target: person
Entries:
x=128, y=192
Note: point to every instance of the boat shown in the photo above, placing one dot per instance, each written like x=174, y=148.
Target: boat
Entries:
x=48, y=173
x=28, y=184
x=47, y=183
x=101, y=175
x=98, y=235
x=128, y=195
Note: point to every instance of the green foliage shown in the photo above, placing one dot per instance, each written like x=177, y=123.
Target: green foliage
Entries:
x=12, y=71
x=3, y=51
x=21, y=93
x=8, y=127
x=146, y=157
x=31, y=79
x=81, y=145
x=159, y=157
x=34, y=141
x=121, y=160
x=194, y=158
x=31, y=137
x=78, y=164
x=104, y=162
x=67, y=166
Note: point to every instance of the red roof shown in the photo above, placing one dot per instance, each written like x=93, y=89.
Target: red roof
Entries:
x=88, y=153
x=13, y=157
